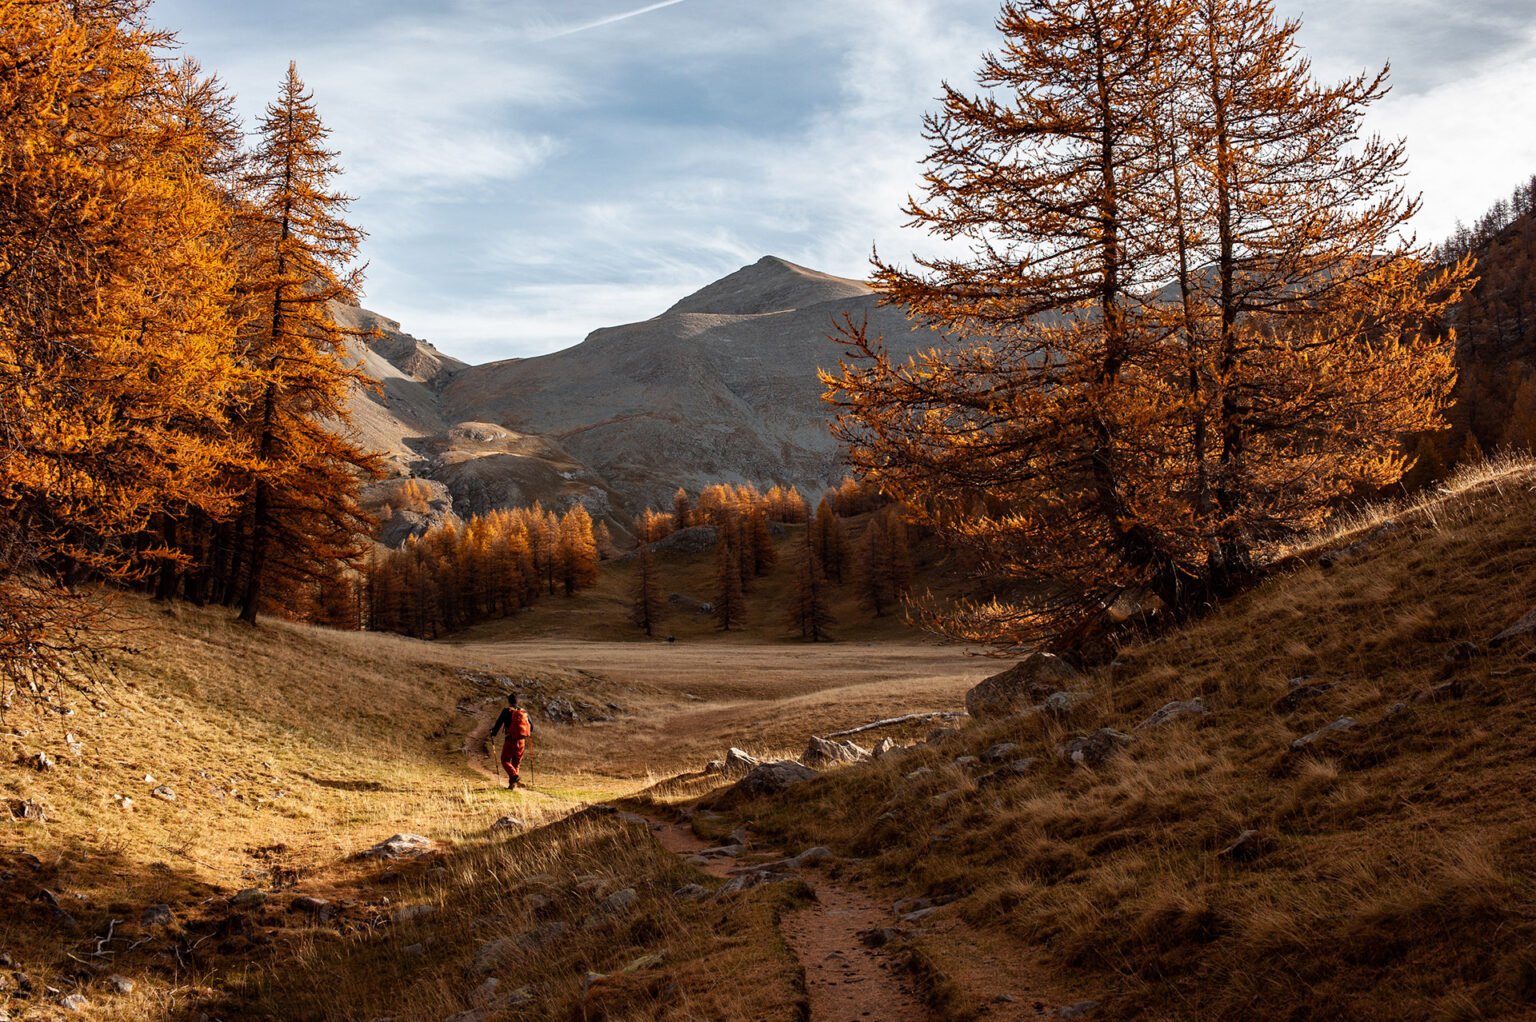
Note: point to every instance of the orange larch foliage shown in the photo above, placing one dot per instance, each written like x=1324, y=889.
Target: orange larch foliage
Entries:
x=1186, y=324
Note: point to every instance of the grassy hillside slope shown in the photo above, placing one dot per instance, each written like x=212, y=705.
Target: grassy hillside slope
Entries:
x=1390, y=873
x=289, y=749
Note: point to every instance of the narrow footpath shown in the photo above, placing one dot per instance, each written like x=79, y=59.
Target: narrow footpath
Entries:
x=846, y=979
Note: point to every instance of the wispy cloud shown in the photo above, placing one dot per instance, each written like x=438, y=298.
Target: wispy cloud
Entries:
x=520, y=193
x=611, y=19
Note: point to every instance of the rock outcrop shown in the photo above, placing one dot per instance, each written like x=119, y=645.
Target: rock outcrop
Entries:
x=1021, y=687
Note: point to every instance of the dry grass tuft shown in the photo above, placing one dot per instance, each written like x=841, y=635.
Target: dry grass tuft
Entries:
x=1391, y=878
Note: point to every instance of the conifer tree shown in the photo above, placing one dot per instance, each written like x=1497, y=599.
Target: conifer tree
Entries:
x=647, y=604
x=577, y=550
x=682, y=510
x=831, y=545
x=1086, y=427
x=730, y=597
x=809, y=613
x=116, y=338
x=304, y=509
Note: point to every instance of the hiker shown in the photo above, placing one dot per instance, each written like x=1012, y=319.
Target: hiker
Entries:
x=519, y=730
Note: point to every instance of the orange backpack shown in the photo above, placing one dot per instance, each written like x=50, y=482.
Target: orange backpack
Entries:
x=520, y=726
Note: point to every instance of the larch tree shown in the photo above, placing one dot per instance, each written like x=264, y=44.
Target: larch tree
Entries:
x=826, y=532
x=116, y=336
x=1185, y=325
x=809, y=613
x=647, y=604
x=304, y=514
x=577, y=550
x=682, y=510
x=730, y=593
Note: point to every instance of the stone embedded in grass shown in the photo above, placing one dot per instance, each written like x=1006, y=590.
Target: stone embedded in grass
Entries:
x=74, y=1003
x=650, y=961
x=164, y=794
x=157, y=915
x=76, y=747
x=412, y=912
x=1093, y=750
x=884, y=747
x=810, y=857
x=821, y=752
x=1082, y=1009
x=1021, y=687
x=691, y=892
x=401, y=846
x=310, y=905
x=1342, y=724
x=1250, y=844
x=1061, y=704
x=41, y=762
x=966, y=762
x=490, y=956
x=919, y=774
x=737, y=761
x=939, y=734
x=508, y=823
x=1526, y=626
x=121, y=984
x=746, y=882
x=542, y=935
x=251, y=897
x=1012, y=772
x=486, y=990
x=772, y=778
x=918, y=915
x=1303, y=690
x=621, y=901
x=1000, y=753
x=1173, y=711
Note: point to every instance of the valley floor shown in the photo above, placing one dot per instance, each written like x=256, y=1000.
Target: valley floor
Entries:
x=1338, y=821
x=279, y=754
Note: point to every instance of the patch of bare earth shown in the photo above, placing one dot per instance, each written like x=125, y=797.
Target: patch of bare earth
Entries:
x=845, y=979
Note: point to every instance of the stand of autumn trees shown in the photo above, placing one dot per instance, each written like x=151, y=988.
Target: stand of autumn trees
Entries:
x=1186, y=324
x=1495, y=340
x=743, y=520
x=459, y=574
x=165, y=353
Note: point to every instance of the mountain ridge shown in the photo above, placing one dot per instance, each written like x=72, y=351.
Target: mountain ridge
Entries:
x=722, y=386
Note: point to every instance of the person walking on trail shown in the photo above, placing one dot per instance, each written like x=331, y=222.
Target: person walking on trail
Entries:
x=519, y=729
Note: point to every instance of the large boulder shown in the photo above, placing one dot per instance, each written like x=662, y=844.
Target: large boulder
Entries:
x=772, y=778
x=1024, y=685
x=823, y=752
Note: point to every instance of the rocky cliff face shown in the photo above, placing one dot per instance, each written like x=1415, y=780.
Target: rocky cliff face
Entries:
x=720, y=387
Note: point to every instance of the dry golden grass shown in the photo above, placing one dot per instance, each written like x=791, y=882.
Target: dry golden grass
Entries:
x=1393, y=882
x=291, y=748
x=1395, y=879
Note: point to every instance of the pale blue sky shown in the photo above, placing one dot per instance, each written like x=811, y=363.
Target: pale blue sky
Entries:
x=531, y=170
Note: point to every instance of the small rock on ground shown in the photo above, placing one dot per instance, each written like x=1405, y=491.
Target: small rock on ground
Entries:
x=401, y=846
x=157, y=915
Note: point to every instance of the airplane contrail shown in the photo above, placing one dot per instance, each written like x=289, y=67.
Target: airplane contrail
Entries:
x=600, y=22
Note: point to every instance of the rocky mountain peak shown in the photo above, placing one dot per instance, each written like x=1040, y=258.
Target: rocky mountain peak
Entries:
x=768, y=286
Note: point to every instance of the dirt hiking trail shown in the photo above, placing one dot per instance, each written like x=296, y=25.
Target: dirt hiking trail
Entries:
x=846, y=980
